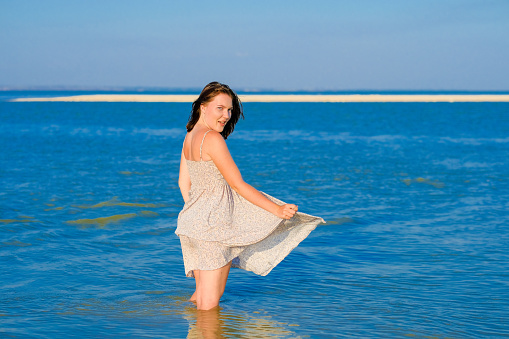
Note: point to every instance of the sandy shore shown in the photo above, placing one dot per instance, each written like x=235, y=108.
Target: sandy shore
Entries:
x=285, y=98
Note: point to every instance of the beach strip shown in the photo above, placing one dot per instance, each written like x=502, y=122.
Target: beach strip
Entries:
x=282, y=98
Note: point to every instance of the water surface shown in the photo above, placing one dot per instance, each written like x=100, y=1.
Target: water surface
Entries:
x=415, y=195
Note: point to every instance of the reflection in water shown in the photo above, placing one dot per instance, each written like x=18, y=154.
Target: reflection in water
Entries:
x=215, y=323
x=219, y=323
x=206, y=324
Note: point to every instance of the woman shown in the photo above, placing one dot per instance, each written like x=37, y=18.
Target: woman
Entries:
x=226, y=222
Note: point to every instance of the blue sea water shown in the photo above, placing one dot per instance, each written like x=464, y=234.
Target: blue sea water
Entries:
x=415, y=195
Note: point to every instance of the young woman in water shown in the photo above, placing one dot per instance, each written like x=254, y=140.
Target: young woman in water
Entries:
x=225, y=221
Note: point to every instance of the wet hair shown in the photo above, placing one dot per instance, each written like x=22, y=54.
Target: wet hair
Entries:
x=208, y=94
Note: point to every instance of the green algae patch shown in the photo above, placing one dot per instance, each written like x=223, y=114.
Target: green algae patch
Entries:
x=54, y=209
x=339, y=221
x=10, y=221
x=116, y=202
x=102, y=221
x=129, y=173
x=17, y=243
x=434, y=183
x=149, y=214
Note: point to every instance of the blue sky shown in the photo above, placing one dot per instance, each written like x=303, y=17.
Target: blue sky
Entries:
x=281, y=45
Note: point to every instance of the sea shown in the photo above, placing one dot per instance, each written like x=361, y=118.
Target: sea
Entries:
x=415, y=196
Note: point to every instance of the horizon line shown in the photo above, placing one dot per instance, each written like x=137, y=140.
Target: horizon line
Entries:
x=189, y=98
x=239, y=89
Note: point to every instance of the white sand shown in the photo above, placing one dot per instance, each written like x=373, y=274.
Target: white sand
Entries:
x=285, y=98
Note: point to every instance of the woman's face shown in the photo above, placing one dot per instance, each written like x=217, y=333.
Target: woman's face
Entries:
x=216, y=113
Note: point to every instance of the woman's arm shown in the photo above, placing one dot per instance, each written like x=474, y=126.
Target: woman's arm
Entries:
x=216, y=148
x=184, y=179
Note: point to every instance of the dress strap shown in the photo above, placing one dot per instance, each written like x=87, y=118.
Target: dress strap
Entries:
x=202, y=140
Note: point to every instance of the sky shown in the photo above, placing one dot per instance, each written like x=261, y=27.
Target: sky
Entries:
x=335, y=45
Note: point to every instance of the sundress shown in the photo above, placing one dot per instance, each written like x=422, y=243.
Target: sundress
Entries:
x=217, y=225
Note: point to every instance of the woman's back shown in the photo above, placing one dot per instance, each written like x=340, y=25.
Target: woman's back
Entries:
x=193, y=145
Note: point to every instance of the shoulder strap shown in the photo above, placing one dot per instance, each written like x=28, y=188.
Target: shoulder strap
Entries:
x=202, y=140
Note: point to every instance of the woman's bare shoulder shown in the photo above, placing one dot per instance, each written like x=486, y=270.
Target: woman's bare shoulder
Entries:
x=209, y=139
x=214, y=136
x=214, y=144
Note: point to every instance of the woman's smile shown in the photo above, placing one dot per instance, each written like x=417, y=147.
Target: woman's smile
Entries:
x=217, y=112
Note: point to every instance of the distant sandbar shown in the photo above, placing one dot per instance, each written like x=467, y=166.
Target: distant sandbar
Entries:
x=285, y=98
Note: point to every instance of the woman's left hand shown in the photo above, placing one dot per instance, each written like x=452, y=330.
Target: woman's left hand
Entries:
x=287, y=211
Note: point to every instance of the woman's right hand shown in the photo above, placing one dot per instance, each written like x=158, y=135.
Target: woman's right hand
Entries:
x=286, y=211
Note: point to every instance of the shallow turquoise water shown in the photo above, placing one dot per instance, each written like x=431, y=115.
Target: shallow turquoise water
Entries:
x=415, y=194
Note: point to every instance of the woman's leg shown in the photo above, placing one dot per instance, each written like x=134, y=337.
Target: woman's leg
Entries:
x=196, y=278
x=210, y=286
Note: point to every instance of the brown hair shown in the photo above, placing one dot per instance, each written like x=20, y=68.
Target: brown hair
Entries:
x=208, y=93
